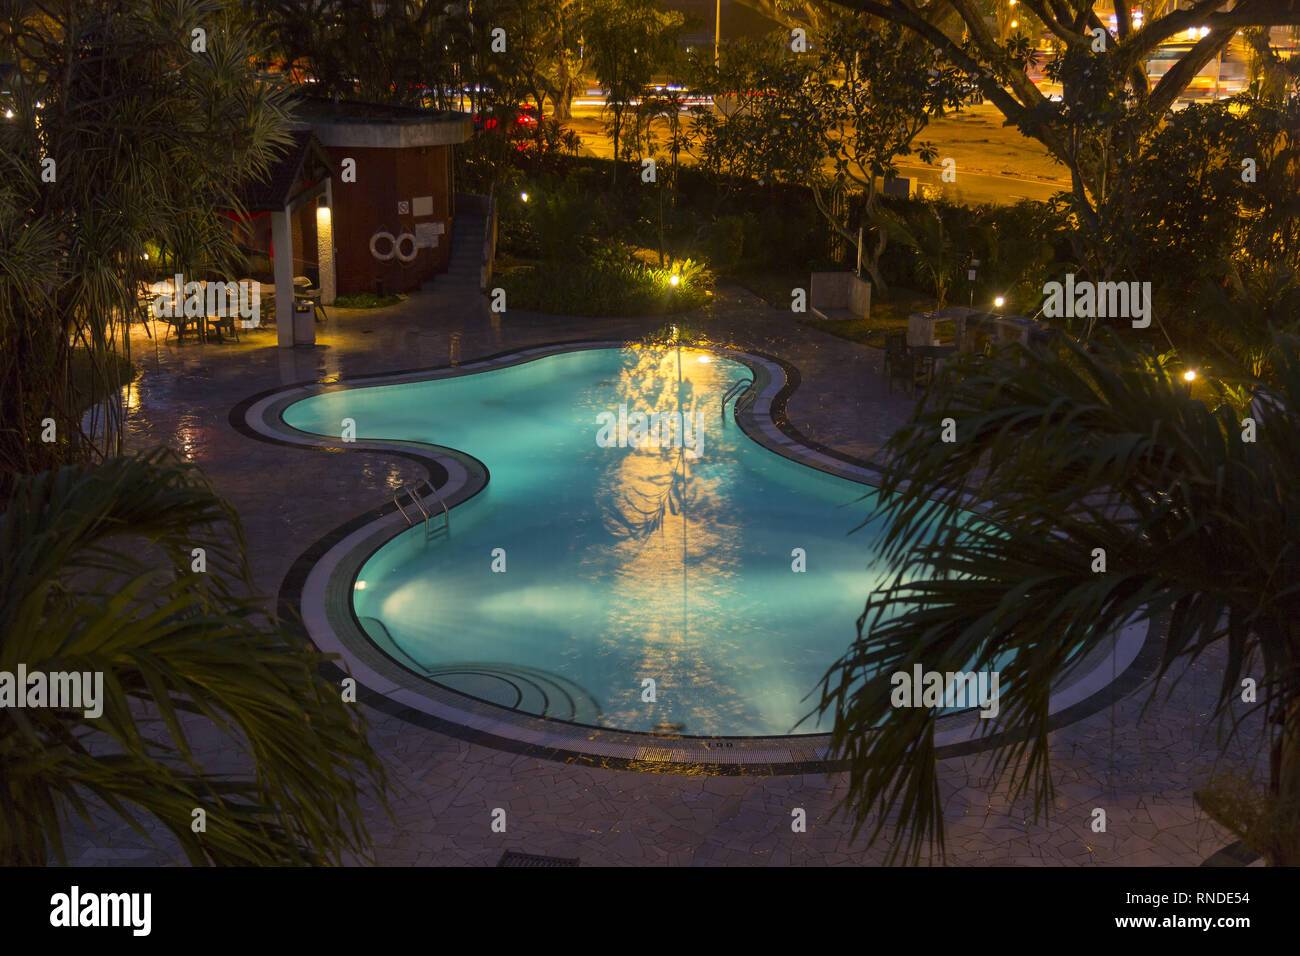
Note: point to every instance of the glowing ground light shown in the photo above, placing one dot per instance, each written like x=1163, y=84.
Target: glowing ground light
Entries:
x=674, y=281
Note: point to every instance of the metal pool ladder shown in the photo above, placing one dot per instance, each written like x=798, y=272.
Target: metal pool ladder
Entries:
x=419, y=503
x=742, y=390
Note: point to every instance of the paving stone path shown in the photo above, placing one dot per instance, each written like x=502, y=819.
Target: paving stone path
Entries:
x=1141, y=770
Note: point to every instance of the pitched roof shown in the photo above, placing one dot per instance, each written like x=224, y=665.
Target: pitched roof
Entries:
x=303, y=164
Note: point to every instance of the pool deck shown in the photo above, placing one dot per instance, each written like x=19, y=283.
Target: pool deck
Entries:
x=1141, y=770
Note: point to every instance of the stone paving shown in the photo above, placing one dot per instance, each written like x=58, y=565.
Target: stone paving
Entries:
x=1141, y=769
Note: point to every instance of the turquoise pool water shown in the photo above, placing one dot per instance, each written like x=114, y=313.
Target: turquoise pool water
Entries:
x=671, y=563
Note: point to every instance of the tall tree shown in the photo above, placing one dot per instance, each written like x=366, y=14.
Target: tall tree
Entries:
x=1108, y=107
x=755, y=83
x=627, y=41
x=871, y=91
x=410, y=53
x=551, y=51
x=124, y=133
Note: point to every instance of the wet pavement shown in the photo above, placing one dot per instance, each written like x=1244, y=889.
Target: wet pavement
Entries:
x=1142, y=772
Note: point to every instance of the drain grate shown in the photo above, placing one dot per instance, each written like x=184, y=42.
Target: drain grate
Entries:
x=515, y=858
x=654, y=753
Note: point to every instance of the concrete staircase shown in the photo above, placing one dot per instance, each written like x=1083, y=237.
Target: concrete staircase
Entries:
x=466, y=264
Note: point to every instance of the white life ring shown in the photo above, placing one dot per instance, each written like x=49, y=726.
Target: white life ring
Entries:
x=397, y=247
x=392, y=246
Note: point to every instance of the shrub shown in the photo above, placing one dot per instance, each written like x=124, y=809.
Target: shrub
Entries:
x=608, y=283
x=724, y=241
x=563, y=221
x=366, y=300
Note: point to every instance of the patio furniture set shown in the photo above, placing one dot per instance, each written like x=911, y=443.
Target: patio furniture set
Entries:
x=915, y=357
x=913, y=365
x=201, y=326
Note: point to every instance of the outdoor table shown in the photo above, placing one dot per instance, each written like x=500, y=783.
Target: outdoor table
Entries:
x=183, y=322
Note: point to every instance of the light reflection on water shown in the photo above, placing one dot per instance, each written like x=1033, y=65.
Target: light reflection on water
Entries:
x=621, y=563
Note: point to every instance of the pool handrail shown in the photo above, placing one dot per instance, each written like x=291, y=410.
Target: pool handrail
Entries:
x=417, y=502
x=446, y=512
x=740, y=389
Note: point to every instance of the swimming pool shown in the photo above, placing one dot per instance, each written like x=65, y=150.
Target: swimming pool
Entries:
x=715, y=568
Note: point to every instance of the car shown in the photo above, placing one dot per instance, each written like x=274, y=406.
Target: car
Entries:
x=521, y=126
x=1226, y=75
x=525, y=118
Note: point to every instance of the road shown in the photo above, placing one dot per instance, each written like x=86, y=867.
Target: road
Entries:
x=976, y=188
x=994, y=163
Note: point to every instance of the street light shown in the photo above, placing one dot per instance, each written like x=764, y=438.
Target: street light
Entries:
x=999, y=302
x=524, y=196
x=717, y=30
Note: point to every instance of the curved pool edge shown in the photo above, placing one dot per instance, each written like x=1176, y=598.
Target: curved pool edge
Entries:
x=317, y=591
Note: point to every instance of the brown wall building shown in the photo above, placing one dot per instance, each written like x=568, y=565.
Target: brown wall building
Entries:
x=393, y=205
x=361, y=200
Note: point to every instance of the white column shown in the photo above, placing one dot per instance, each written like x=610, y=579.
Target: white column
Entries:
x=325, y=247
x=282, y=266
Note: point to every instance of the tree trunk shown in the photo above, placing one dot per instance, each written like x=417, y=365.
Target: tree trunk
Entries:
x=618, y=124
x=872, y=261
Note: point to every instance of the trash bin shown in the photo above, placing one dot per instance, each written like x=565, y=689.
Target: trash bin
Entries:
x=304, y=324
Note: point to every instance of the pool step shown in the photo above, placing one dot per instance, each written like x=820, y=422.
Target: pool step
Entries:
x=525, y=689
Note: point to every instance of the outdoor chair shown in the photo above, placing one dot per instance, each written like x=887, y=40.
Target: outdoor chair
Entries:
x=895, y=347
x=223, y=323
x=266, y=297
x=180, y=325
x=902, y=366
x=144, y=308
x=313, y=296
x=924, y=369
x=975, y=341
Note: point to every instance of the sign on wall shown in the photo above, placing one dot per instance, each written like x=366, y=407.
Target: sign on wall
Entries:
x=426, y=234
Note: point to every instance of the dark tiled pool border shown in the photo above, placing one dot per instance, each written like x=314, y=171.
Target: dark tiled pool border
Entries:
x=765, y=421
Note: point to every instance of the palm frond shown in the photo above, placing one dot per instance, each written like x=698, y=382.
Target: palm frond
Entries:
x=181, y=652
x=990, y=543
